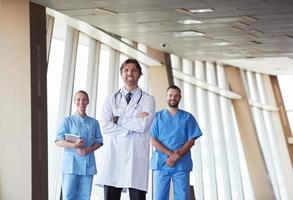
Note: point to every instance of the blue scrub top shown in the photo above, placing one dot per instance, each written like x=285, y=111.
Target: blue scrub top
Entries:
x=88, y=129
x=173, y=132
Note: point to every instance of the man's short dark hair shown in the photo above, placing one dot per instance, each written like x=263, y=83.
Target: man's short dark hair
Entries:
x=132, y=61
x=175, y=88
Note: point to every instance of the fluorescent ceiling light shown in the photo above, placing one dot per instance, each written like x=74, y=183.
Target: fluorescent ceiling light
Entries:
x=189, y=21
x=222, y=43
x=230, y=54
x=186, y=34
x=202, y=10
x=194, y=11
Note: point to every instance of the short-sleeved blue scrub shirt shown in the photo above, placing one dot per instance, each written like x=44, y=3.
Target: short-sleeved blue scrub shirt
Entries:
x=173, y=132
x=88, y=129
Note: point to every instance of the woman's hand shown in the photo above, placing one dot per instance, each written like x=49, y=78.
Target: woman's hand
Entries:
x=81, y=152
x=79, y=144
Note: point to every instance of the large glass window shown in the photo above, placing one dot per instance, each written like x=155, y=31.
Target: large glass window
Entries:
x=104, y=69
x=81, y=65
x=286, y=82
x=219, y=169
x=53, y=89
x=267, y=134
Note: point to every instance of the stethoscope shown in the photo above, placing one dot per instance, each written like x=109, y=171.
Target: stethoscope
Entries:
x=120, y=93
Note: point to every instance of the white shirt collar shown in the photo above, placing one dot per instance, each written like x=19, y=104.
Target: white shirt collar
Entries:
x=124, y=91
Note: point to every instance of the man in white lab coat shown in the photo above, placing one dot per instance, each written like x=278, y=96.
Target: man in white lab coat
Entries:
x=126, y=119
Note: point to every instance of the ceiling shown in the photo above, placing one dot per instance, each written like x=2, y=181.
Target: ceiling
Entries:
x=243, y=33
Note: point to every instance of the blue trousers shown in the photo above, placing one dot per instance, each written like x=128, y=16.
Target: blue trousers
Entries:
x=76, y=187
x=162, y=179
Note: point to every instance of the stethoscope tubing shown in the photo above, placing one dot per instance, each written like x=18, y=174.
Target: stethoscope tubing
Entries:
x=119, y=92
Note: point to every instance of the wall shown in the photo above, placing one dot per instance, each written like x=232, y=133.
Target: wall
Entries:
x=15, y=106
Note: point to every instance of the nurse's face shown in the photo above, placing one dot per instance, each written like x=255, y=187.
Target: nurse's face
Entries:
x=173, y=98
x=130, y=75
x=81, y=101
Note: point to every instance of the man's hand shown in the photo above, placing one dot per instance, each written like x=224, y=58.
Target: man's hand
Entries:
x=143, y=114
x=170, y=162
x=114, y=119
x=175, y=156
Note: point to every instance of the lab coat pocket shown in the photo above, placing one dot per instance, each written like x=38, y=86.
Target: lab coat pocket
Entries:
x=141, y=146
x=124, y=148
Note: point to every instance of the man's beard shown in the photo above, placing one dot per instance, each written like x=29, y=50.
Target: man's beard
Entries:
x=173, y=105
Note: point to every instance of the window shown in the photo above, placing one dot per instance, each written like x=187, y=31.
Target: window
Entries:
x=53, y=88
x=285, y=82
x=81, y=66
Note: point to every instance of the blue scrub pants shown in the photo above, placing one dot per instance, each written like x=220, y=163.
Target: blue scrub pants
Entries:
x=162, y=179
x=76, y=187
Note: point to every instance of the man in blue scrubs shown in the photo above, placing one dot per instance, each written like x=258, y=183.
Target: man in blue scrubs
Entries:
x=174, y=132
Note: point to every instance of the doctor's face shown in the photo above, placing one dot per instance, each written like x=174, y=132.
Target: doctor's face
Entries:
x=130, y=74
x=173, y=98
x=81, y=101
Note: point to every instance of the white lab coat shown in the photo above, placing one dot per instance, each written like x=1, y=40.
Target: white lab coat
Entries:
x=125, y=162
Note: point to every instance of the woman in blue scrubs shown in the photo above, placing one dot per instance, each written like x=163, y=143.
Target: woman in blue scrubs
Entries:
x=79, y=164
x=174, y=132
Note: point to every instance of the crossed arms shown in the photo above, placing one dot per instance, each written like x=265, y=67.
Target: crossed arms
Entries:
x=124, y=126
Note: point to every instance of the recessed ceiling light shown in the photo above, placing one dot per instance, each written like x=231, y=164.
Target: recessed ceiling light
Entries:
x=202, y=10
x=186, y=34
x=189, y=21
